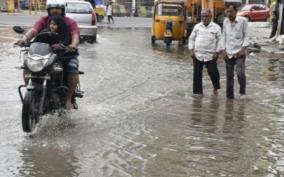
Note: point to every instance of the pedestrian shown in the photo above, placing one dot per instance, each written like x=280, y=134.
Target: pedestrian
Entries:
x=110, y=13
x=234, y=49
x=204, y=46
x=274, y=18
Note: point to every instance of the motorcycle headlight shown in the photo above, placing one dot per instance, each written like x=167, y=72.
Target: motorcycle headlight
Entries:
x=36, y=63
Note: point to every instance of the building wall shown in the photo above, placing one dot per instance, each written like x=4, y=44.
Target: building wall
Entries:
x=143, y=7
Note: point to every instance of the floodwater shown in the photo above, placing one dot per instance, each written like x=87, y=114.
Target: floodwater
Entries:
x=139, y=118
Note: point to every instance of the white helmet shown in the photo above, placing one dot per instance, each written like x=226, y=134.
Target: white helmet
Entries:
x=55, y=4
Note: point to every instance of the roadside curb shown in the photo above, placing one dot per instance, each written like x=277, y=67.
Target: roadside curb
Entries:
x=124, y=27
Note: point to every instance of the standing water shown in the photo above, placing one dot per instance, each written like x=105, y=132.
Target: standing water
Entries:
x=139, y=118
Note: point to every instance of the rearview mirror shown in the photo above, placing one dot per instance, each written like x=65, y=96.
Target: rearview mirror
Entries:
x=18, y=29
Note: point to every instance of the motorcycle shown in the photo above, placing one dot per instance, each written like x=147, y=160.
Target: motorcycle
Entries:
x=47, y=89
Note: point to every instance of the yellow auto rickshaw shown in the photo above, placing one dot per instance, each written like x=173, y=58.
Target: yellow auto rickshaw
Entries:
x=99, y=7
x=100, y=13
x=169, y=21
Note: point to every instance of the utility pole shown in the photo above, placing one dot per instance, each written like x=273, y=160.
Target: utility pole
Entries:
x=18, y=5
x=133, y=7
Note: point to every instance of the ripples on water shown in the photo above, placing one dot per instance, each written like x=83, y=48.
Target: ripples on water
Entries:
x=139, y=118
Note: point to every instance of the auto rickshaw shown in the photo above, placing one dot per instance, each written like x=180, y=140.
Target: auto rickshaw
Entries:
x=100, y=9
x=100, y=13
x=169, y=21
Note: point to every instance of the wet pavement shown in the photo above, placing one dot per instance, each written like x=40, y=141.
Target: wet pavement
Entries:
x=139, y=118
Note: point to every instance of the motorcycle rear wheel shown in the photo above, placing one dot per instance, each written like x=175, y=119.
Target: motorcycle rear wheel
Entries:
x=30, y=116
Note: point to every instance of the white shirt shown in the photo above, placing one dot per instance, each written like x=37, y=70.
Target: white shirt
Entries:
x=205, y=40
x=109, y=10
x=234, y=35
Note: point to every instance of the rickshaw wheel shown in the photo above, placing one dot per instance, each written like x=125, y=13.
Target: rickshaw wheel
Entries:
x=168, y=41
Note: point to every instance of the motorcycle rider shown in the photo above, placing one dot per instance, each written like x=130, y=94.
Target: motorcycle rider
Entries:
x=71, y=63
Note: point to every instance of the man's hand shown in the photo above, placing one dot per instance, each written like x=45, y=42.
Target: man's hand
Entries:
x=223, y=54
x=215, y=56
x=27, y=37
x=242, y=52
x=192, y=53
x=71, y=48
x=58, y=47
x=21, y=43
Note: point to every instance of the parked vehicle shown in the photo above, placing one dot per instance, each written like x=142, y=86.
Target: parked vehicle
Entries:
x=83, y=13
x=100, y=10
x=169, y=21
x=254, y=12
x=217, y=7
x=47, y=85
x=194, y=8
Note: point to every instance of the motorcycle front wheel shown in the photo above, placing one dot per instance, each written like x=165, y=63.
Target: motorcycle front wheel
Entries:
x=30, y=116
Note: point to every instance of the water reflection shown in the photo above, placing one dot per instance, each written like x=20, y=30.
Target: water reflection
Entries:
x=174, y=52
x=46, y=161
x=212, y=115
x=216, y=137
x=281, y=70
x=233, y=139
x=271, y=71
x=196, y=115
x=205, y=113
x=47, y=151
x=184, y=136
x=234, y=119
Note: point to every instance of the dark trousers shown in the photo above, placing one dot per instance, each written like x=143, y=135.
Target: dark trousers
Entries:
x=109, y=17
x=274, y=27
x=240, y=69
x=197, y=74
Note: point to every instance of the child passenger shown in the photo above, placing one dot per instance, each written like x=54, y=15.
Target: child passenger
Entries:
x=58, y=25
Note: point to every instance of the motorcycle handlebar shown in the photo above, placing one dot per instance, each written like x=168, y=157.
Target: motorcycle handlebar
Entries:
x=57, y=48
x=16, y=44
x=63, y=48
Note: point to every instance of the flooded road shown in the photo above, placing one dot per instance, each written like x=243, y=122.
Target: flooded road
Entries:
x=139, y=118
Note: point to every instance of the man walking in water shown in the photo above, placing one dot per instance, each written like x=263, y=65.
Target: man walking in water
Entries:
x=204, y=45
x=234, y=53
